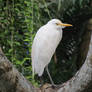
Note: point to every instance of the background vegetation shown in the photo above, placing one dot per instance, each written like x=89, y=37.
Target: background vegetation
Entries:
x=19, y=21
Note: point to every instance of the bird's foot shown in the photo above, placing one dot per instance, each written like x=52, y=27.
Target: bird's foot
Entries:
x=53, y=85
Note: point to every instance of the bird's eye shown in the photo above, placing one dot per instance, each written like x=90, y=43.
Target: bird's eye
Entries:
x=56, y=23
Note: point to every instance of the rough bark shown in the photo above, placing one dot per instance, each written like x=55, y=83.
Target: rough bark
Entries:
x=10, y=79
x=13, y=81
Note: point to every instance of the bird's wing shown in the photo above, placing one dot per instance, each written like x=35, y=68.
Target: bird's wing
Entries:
x=43, y=48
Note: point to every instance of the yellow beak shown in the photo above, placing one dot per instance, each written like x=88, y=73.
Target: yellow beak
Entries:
x=62, y=24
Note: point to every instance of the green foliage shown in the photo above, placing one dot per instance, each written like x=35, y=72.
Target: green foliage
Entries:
x=17, y=32
x=19, y=21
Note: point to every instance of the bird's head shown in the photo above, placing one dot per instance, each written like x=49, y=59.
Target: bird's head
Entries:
x=58, y=24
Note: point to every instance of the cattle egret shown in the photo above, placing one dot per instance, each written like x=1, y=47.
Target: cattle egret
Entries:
x=44, y=45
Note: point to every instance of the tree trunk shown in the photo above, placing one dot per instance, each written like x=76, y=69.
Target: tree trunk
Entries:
x=13, y=81
x=10, y=79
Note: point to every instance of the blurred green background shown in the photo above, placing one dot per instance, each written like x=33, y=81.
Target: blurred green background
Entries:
x=19, y=22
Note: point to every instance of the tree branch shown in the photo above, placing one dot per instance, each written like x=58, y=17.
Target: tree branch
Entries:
x=10, y=79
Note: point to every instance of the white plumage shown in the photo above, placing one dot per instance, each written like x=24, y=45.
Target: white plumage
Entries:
x=45, y=44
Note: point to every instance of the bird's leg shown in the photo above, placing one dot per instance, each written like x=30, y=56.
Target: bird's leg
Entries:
x=49, y=76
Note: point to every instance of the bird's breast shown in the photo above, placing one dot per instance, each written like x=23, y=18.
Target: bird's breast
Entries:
x=52, y=37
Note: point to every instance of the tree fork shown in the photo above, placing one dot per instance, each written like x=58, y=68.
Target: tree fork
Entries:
x=13, y=81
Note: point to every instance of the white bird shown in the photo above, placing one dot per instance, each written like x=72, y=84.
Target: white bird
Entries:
x=45, y=44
